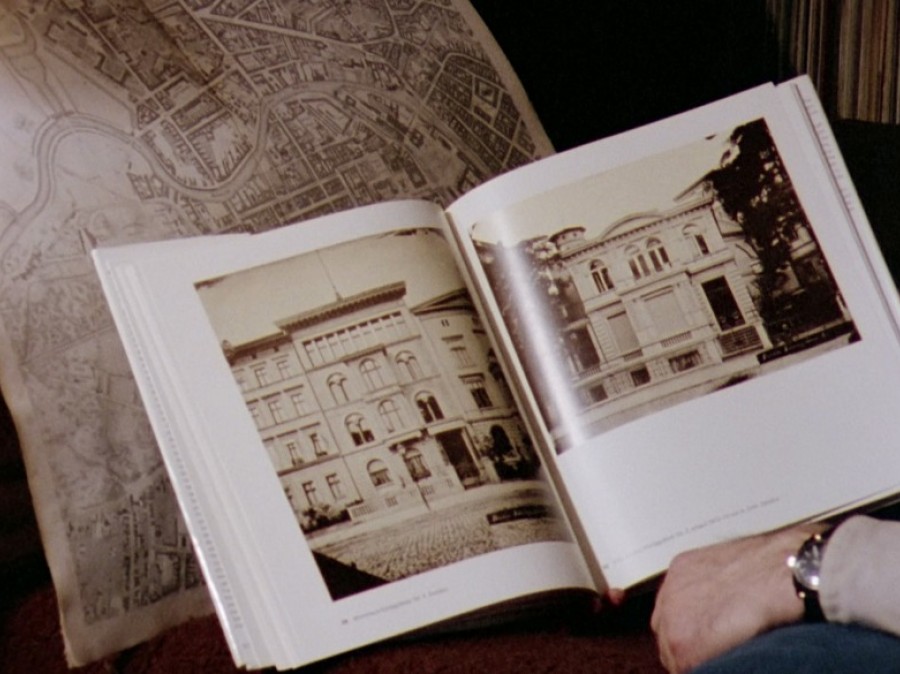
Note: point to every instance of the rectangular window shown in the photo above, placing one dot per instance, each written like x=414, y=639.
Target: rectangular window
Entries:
x=293, y=450
x=284, y=369
x=346, y=341
x=684, y=361
x=311, y=353
x=262, y=377
x=335, y=344
x=581, y=349
x=318, y=444
x=640, y=377
x=701, y=244
x=479, y=392
x=276, y=410
x=398, y=325
x=324, y=349
x=461, y=356
x=309, y=490
x=597, y=393
x=380, y=476
x=298, y=400
x=724, y=306
x=415, y=464
x=335, y=486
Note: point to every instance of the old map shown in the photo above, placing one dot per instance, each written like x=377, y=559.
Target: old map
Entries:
x=126, y=120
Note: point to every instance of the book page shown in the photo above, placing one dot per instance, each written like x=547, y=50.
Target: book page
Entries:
x=140, y=121
x=707, y=332
x=335, y=423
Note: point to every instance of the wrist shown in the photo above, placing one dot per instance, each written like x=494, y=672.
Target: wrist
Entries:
x=788, y=607
x=806, y=569
x=785, y=605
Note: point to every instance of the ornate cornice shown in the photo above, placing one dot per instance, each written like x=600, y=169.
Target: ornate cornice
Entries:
x=343, y=306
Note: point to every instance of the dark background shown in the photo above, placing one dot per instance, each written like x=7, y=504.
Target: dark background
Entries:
x=591, y=69
x=596, y=69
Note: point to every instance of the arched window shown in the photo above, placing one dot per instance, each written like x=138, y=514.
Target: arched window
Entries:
x=637, y=263
x=429, y=408
x=654, y=259
x=602, y=278
x=659, y=258
x=337, y=385
x=378, y=473
x=371, y=374
x=698, y=242
x=390, y=415
x=359, y=430
x=409, y=366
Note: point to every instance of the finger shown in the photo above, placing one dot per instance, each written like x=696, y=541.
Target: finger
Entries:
x=655, y=617
x=615, y=596
x=665, y=656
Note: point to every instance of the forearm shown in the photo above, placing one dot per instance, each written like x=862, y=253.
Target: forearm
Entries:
x=861, y=574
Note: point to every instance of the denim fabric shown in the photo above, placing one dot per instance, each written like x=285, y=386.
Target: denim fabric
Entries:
x=820, y=648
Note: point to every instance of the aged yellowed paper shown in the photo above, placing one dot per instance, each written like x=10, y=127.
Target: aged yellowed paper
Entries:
x=132, y=121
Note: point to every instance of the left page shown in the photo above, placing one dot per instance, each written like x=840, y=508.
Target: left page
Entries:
x=338, y=431
x=136, y=121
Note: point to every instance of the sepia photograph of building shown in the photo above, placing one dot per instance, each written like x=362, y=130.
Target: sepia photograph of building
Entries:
x=709, y=274
x=382, y=408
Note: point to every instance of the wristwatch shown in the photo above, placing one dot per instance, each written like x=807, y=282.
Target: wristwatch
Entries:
x=805, y=566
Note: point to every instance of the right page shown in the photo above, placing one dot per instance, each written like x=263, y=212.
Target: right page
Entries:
x=700, y=324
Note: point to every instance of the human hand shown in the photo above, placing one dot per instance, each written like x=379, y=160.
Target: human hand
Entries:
x=715, y=598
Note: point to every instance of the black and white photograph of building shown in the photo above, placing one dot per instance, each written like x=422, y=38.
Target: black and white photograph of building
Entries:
x=661, y=281
x=382, y=408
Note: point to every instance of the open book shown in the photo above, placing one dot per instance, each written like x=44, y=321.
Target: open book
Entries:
x=386, y=418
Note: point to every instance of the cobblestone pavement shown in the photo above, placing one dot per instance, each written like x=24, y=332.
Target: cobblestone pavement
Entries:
x=449, y=534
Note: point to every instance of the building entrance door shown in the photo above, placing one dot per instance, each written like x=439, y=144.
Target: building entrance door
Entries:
x=454, y=446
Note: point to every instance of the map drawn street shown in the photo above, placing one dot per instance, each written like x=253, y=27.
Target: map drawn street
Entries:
x=131, y=120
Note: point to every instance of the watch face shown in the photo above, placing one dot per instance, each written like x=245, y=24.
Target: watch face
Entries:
x=808, y=562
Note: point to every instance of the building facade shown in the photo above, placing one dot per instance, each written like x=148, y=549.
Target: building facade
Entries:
x=368, y=407
x=662, y=307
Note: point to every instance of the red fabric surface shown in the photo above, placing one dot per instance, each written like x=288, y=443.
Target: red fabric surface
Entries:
x=30, y=642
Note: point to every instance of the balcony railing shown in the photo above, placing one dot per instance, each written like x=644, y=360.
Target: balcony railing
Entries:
x=740, y=340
